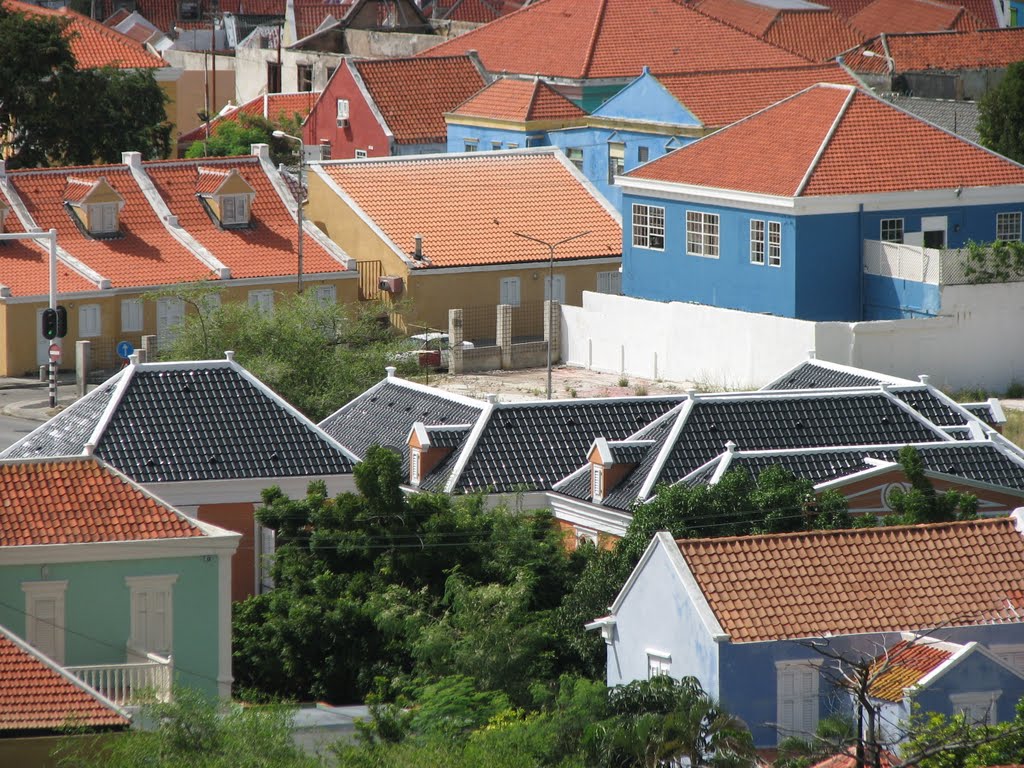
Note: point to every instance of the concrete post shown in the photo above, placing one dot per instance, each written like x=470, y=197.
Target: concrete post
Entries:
x=149, y=346
x=82, y=351
x=140, y=355
x=553, y=328
x=504, y=340
x=455, y=339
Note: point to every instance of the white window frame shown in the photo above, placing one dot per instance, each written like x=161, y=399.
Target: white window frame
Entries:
x=800, y=722
x=775, y=244
x=361, y=154
x=597, y=482
x=263, y=300
x=1008, y=226
x=610, y=282
x=659, y=664
x=415, y=462
x=757, y=242
x=509, y=291
x=894, y=227
x=471, y=145
x=703, y=234
x=1012, y=654
x=326, y=295
x=648, y=226
x=103, y=218
x=90, y=321
x=616, y=160
x=138, y=639
x=234, y=209
x=36, y=591
x=342, y=107
x=975, y=704
x=131, y=315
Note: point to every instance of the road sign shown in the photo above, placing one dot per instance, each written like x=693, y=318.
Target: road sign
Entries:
x=125, y=349
x=54, y=352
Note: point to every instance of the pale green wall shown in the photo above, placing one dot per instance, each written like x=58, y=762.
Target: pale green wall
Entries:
x=97, y=611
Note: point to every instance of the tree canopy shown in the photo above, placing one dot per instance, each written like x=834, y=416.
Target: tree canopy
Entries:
x=235, y=137
x=1001, y=115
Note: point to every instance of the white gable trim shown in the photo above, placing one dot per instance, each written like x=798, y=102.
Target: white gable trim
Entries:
x=666, y=449
x=578, y=512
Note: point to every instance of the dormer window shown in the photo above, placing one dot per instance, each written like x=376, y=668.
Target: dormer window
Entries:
x=227, y=196
x=94, y=205
x=103, y=218
x=234, y=209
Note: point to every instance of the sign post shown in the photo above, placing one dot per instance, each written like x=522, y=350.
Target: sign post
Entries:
x=125, y=350
x=54, y=352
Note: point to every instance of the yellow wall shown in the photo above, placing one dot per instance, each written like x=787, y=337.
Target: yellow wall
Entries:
x=37, y=751
x=188, y=97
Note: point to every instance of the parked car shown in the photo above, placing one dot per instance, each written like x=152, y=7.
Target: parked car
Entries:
x=431, y=349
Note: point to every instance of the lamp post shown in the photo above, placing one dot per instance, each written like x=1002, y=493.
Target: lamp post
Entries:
x=875, y=55
x=301, y=202
x=551, y=280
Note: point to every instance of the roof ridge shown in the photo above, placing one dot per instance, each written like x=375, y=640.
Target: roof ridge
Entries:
x=533, y=98
x=751, y=70
x=828, y=138
x=588, y=59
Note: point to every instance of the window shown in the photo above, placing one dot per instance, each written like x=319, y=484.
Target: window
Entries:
x=512, y=145
x=609, y=282
x=89, y=321
x=330, y=72
x=702, y=234
x=797, y=697
x=151, y=621
x=234, y=209
x=268, y=546
x=44, y=617
x=534, y=141
x=575, y=155
x=892, y=230
x=414, y=466
x=273, y=77
x=342, y=115
x=643, y=154
x=1008, y=226
x=170, y=312
x=325, y=150
x=978, y=707
x=305, y=77
x=131, y=315
x=495, y=146
x=209, y=303
x=588, y=535
x=103, y=218
x=756, y=241
x=326, y=295
x=659, y=664
x=509, y=291
x=360, y=154
x=262, y=300
x=649, y=226
x=470, y=145
x=559, y=292
x=597, y=482
x=616, y=160
x=774, y=244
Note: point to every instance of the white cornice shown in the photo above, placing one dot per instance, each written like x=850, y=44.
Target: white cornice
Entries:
x=578, y=512
x=192, y=546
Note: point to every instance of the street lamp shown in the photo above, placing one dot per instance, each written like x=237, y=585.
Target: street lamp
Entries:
x=875, y=55
x=301, y=202
x=551, y=281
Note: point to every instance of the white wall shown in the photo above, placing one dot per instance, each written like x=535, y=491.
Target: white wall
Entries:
x=977, y=341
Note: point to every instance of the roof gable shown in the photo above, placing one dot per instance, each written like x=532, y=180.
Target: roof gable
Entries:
x=520, y=101
x=911, y=16
x=221, y=181
x=942, y=51
x=648, y=98
x=272, y=106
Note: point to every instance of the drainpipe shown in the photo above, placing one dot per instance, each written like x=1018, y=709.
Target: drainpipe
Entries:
x=860, y=229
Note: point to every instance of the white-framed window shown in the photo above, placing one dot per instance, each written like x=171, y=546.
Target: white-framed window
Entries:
x=414, y=466
x=470, y=145
x=891, y=231
x=131, y=314
x=757, y=241
x=979, y=707
x=702, y=234
x=597, y=482
x=209, y=303
x=89, y=321
x=325, y=150
x=361, y=154
x=585, y=535
x=508, y=292
x=268, y=545
x=512, y=145
x=559, y=292
x=797, y=697
x=616, y=160
x=495, y=146
x=263, y=300
x=103, y=218
x=575, y=155
x=44, y=617
x=1011, y=654
x=152, y=621
x=774, y=243
x=659, y=664
x=326, y=295
x=342, y=106
x=170, y=314
x=610, y=282
x=1008, y=226
x=643, y=154
x=649, y=226
x=234, y=209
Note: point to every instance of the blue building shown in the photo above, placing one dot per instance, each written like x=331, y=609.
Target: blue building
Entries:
x=829, y=205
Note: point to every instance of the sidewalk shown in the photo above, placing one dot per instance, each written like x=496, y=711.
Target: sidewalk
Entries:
x=25, y=398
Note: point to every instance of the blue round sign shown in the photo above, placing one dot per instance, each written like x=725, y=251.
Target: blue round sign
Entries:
x=125, y=349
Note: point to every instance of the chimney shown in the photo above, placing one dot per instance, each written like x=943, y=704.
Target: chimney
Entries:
x=262, y=151
x=133, y=359
x=90, y=449
x=132, y=159
x=417, y=252
x=391, y=371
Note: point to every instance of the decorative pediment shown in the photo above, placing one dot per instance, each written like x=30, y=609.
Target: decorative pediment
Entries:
x=227, y=194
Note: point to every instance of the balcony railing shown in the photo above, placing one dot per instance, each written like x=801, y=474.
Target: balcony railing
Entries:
x=129, y=683
x=946, y=266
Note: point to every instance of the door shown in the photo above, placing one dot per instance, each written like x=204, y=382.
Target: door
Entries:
x=44, y=617
x=559, y=292
x=170, y=313
x=934, y=230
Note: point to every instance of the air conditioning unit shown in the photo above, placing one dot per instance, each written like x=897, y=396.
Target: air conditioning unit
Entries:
x=342, y=113
x=391, y=284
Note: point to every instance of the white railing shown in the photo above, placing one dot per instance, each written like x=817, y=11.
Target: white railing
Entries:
x=902, y=261
x=126, y=683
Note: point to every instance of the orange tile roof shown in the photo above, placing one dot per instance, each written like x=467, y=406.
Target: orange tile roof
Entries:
x=487, y=197
x=748, y=16
x=720, y=98
x=143, y=254
x=944, y=51
x=268, y=249
x=848, y=759
x=414, y=94
x=911, y=16
x=93, y=44
x=474, y=11
x=874, y=147
x=35, y=696
x=78, y=501
x=845, y=8
x=904, y=665
x=856, y=581
x=25, y=268
x=272, y=106
x=621, y=37
x=117, y=17
x=521, y=101
x=164, y=13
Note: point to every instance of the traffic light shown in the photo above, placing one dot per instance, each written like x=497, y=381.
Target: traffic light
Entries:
x=49, y=323
x=62, y=322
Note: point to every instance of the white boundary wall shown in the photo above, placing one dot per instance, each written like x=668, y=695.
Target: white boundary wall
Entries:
x=977, y=341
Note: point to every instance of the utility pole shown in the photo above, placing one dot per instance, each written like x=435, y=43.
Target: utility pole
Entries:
x=301, y=201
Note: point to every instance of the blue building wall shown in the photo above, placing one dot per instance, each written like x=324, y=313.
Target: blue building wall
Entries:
x=646, y=99
x=487, y=138
x=964, y=222
x=828, y=277
x=976, y=673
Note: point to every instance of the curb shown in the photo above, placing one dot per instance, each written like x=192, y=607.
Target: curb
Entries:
x=34, y=410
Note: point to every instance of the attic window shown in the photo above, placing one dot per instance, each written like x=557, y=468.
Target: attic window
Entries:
x=227, y=196
x=234, y=209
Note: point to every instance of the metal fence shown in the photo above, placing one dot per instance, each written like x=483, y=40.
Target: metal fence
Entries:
x=480, y=325
x=103, y=358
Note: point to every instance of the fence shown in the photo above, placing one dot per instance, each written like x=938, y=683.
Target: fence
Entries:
x=520, y=336
x=902, y=261
x=125, y=683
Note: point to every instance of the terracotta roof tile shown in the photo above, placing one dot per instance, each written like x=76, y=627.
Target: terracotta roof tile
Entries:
x=77, y=501
x=924, y=51
x=487, y=196
x=414, y=94
x=865, y=580
x=848, y=759
x=268, y=248
x=208, y=180
x=144, y=253
x=874, y=148
x=93, y=44
x=24, y=268
x=272, y=106
x=911, y=16
x=164, y=13
x=904, y=665
x=521, y=101
x=474, y=11
x=845, y=8
x=35, y=696
x=622, y=36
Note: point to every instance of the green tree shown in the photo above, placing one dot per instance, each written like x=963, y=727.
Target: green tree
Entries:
x=921, y=504
x=235, y=137
x=1001, y=115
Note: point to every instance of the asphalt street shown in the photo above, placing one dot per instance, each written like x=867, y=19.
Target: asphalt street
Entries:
x=12, y=429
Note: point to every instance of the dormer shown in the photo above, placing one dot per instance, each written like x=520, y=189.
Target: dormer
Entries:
x=95, y=206
x=228, y=197
x=429, y=446
x=611, y=461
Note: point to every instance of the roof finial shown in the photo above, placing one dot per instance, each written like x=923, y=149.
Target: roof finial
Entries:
x=811, y=354
x=924, y=378
x=390, y=370
x=730, y=446
x=133, y=358
x=229, y=354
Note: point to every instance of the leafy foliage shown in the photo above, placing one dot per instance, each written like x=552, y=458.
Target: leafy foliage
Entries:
x=1001, y=115
x=921, y=504
x=236, y=137
x=1001, y=261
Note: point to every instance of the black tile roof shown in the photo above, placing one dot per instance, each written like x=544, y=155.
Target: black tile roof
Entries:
x=811, y=375
x=930, y=405
x=981, y=411
x=628, y=452
x=448, y=438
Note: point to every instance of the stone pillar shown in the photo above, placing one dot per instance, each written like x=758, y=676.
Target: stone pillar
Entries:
x=553, y=328
x=504, y=340
x=149, y=347
x=81, y=368
x=455, y=339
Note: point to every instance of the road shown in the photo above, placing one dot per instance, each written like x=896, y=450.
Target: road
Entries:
x=12, y=429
